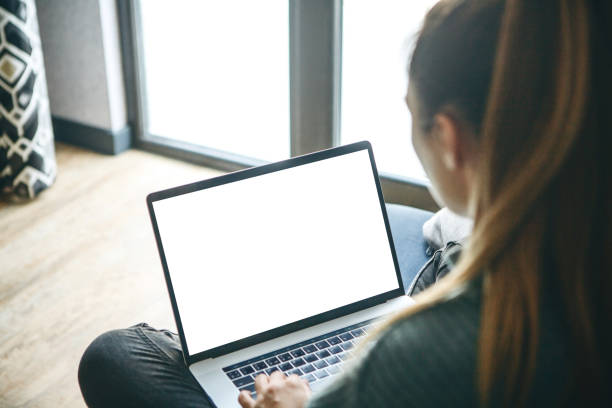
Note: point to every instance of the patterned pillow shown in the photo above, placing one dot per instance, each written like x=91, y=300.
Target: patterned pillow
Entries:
x=27, y=158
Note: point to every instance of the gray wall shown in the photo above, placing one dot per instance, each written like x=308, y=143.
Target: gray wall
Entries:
x=81, y=47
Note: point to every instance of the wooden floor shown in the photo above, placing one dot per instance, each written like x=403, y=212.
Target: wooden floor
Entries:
x=75, y=262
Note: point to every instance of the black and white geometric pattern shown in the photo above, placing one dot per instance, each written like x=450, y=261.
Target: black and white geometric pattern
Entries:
x=27, y=157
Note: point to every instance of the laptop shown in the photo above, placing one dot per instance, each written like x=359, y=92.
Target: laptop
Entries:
x=284, y=266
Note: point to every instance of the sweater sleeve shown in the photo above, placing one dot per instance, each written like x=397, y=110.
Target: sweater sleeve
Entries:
x=427, y=360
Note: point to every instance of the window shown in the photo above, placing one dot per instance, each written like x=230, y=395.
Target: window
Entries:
x=237, y=83
x=217, y=74
x=377, y=37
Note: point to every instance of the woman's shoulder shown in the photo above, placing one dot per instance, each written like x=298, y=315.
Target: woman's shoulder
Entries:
x=426, y=359
x=459, y=312
x=442, y=337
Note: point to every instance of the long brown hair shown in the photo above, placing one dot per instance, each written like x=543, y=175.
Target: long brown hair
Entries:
x=533, y=79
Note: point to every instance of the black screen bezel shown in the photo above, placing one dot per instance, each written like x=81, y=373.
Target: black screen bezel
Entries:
x=297, y=325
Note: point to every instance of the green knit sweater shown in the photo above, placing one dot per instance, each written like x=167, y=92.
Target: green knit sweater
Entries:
x=429, y=360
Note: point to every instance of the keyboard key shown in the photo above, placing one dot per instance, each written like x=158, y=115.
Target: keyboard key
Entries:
x=333, y=370
x=357, y=332
x=321, y=374
x=336, y=350
x=310, y=378
x=273, y=361
x=322, y=344
x=271, y=370
x=346, y=336
x=298, y=362
x=334, y=340
x=249, y=388
x=286, y=367
x=297, y=353
x=323, y=354
x=297, y=371
x=320, y=364
x=310, y=358
x=247, y=370
x=257, y=373
x=234, y=374
x=285, y=357
x=260, y=365
x=308, y=368
x=311, y=348
x=243, y=381
x=343, y=356
x=332, y=360
x=347, y=346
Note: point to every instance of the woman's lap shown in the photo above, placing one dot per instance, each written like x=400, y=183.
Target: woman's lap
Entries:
x=142, y=366
x=138, y=366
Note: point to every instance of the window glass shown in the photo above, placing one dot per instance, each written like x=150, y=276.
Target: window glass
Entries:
x=377, y=39
x=217, y=74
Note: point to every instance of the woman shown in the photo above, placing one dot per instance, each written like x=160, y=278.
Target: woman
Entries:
x=508, y=101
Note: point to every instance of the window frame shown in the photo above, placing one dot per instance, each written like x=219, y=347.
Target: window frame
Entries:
x=315, y=53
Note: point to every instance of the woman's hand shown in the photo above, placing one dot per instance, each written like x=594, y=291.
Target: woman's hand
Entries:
x=277, y=391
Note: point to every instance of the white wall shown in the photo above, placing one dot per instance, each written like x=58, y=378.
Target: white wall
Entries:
x=81, y=46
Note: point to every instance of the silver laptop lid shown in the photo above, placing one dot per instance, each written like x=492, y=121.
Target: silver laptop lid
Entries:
x=255, y=254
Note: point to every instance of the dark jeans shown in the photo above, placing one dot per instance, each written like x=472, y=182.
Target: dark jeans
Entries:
x=143, y=367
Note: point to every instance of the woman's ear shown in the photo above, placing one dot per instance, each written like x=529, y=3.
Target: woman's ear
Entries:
x=451, y=141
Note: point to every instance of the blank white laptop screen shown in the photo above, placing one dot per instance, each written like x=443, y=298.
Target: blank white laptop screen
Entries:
x=255, y=254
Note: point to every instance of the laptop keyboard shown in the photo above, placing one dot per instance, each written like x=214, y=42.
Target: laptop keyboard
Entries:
x=313, y=360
